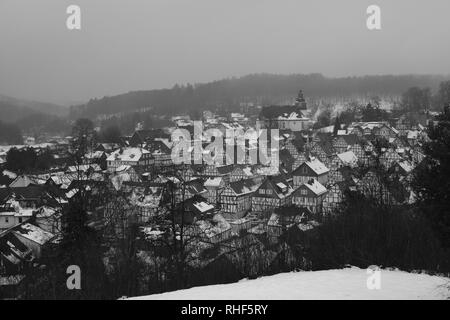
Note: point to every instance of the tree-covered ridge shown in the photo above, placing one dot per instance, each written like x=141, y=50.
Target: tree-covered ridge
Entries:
x=264, y=88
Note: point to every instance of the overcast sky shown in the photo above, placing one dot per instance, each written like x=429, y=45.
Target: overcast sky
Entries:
x=129, y=45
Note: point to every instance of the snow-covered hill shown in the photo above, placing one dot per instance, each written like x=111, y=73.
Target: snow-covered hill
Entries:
x=349, y=283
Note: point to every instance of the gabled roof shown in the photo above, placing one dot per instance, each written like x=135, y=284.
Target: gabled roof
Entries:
x=315, y=165
x=12, y=249
x=158, y=147
x=276, y=181
x=314, y=186
x=406, y=165
x=350, y=139
x=27, y=193
x=195, y=187
x=127, y=154
x=226, y=169
x=244, y=186
x=213, y=182
x=33, y=233
x=348, y=158
x=273, y=112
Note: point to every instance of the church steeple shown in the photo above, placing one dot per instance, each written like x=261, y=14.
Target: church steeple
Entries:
x=300, y=101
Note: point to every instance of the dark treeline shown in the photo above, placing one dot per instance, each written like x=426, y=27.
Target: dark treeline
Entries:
x=127, y=123
x=365, y=233
x=33, y=117
x=28, y=160
x=40, y=122
x=264, y=88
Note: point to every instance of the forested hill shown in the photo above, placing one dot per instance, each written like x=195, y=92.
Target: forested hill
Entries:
x=12, y=109
x=260, y=88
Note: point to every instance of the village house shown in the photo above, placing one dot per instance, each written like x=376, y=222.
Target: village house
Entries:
x=274, y=192
x=107, y=147
x=14, y=256
x=141, y=137
x=129, y=156
x=33, y=237
x=280, y=222
x=96, y=157
x=322, y=148
x=236, y=199
x=310, y=195
x=12, y=213
x=335, y=195
x=286, y=117
x=343, y=143
x=161, y=152
x=214, y=187
x=312, y=169
x=389, y=157
x=123, y=173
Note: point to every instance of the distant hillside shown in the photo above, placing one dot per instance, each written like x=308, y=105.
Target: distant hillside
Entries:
x=260, y=88
x=12, y=109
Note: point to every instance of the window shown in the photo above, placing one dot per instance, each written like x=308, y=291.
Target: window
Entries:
x=6, y=220
x=269, y=192
x=303, y=192
x=262, y=191
x=20, y=220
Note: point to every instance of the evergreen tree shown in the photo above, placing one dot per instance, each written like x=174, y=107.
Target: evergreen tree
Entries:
x=431, y=181
x=337, y=125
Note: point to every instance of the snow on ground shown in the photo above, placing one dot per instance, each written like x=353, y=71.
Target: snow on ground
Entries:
x=349, y=283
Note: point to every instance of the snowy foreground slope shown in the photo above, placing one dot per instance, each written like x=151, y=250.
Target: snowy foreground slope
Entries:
x=349, y=283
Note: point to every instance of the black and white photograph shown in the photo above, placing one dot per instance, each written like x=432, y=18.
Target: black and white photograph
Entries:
x=224, y=155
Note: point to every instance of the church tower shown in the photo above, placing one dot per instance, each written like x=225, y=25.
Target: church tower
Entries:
x=300, y=101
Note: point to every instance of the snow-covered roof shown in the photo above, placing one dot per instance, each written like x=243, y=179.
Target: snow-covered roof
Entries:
x=348, y=158
x=413, y=134
x=316, y=187
x=292, y=116
x=317, y=166
x=281, y=185
x=9, y=174
x=406, y=165
x=84, y=168
x=203, y=206
x=33, y=233
x=121, y=168
x=127, y=154
x=213, y=182
x=94, y=155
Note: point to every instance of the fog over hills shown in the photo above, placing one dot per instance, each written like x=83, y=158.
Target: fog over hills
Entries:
x=258, y=88
x=13, y=109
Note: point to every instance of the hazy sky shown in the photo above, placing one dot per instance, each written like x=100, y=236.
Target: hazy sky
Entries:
x=144, y=44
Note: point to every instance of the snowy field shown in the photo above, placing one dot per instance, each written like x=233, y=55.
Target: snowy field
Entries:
x=349, y=283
